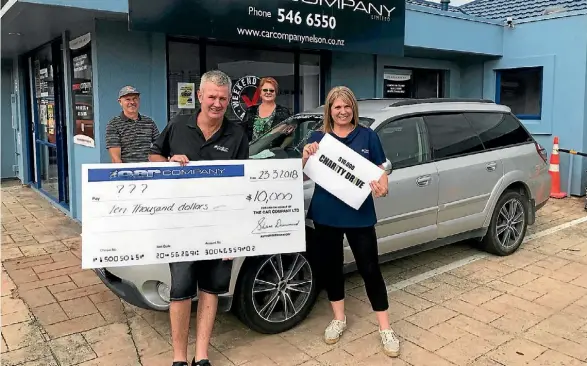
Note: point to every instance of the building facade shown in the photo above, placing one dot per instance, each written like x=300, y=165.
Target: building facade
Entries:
x=63, y=62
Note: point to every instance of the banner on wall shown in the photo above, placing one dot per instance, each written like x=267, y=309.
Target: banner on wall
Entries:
x=82, y=90
x=366, y=26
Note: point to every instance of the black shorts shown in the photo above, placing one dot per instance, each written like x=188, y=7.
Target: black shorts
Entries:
x=211, y=276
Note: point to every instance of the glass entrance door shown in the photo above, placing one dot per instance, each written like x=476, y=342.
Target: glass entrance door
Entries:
x=49, y=150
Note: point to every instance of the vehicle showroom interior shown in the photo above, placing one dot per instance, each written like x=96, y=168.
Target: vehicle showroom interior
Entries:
x=64, y=61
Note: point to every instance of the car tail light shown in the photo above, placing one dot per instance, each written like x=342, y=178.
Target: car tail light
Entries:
x=541, y=151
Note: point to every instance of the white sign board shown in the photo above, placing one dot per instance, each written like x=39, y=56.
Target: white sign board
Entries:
x=80, y=42
x=342, y=172
x=186, y=95
x=148, y=213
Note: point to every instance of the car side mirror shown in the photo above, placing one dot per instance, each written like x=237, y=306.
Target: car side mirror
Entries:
x=388, y=166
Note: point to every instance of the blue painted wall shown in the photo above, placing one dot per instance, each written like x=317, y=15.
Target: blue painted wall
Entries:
x=8, y=134
x=120, y=57
x=344, y=71
x=471, y=80
x=129, y=58
x=559, y=45
x=452, y=85
x=118, y=6
x=364, y=73
x=441, y=30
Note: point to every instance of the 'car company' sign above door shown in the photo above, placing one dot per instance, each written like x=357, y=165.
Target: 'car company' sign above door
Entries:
x=369, y=26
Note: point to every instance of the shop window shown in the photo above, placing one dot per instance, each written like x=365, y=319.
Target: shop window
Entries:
x=413, y=83
x=428, y=83
x=246, y=67
x=183, y=78
x=299, y=83
x=309, y=81
x=521, y=90
x=397, y=83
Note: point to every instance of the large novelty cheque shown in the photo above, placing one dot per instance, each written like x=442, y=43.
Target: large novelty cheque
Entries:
x=342, y=171
x=146, y=213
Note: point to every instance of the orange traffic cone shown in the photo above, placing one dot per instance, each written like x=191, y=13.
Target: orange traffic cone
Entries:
x=554, y=171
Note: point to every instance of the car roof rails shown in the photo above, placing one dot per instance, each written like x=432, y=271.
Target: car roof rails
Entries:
x=439, y=100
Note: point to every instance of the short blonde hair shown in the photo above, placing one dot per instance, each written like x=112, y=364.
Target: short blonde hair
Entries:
x=348, y=97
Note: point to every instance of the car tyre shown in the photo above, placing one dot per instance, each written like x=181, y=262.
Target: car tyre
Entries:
x=508, y=225
x=275, y=293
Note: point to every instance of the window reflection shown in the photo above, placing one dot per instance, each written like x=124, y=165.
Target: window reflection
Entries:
x=184, y=67
x=246, y=67
x=309, y=81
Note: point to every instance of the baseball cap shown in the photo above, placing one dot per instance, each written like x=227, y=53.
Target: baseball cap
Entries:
x=127, y=90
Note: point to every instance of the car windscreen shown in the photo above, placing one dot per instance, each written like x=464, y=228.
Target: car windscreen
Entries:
x=288, y=138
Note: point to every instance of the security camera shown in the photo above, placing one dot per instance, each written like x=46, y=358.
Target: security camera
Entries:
x=509, y=22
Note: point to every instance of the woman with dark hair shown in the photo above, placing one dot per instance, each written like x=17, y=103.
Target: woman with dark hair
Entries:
x=259, y=119
x=333, y=219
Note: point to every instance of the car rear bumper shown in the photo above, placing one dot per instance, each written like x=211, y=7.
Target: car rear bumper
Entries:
x=129, y=293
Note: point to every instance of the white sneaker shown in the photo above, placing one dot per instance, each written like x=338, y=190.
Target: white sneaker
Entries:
x=390, y=342
x=334, y=331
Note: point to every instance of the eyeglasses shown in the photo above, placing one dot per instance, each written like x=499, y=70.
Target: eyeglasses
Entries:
x=268, y=90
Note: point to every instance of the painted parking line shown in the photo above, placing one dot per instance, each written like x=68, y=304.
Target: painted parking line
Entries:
x=435, y=272
x=475, y=257
x=552, y=230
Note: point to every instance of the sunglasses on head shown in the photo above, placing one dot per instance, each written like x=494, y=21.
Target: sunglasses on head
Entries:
x=268, y=90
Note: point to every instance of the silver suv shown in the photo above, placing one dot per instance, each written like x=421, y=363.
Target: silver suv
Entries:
x=462, y=169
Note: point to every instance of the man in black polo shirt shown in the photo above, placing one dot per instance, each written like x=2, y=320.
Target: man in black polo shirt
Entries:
x=206, y=135
x=129, y=135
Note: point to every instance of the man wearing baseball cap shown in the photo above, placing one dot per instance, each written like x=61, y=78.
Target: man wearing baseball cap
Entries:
x=129, y=136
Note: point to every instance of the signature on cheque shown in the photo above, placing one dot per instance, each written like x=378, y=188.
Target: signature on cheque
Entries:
x=263, y=224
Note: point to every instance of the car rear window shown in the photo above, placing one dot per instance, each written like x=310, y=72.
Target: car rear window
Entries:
x=452, y=135
x=498, y=130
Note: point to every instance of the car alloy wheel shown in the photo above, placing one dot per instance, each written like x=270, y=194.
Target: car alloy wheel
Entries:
x=281, y=287
x=510, y=223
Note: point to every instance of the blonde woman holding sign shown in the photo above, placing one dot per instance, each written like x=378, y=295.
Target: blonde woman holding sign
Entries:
x=333, y=218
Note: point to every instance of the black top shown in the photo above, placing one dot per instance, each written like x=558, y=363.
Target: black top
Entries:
x=281, y=114
x=182, y=136
x=133, y=137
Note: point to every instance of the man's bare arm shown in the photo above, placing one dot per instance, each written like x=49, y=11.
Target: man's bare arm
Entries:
x=115, y=154
x=157, y=158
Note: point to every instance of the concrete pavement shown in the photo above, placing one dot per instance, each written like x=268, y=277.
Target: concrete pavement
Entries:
x=526, y=309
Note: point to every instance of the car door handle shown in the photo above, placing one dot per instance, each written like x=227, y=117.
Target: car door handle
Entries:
x=423, y=181
x=491, y=166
